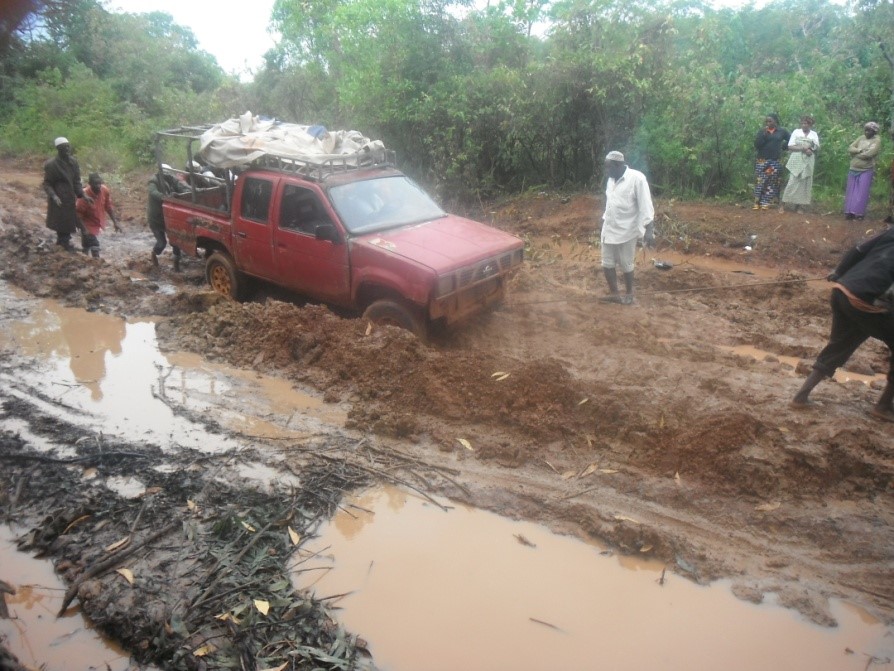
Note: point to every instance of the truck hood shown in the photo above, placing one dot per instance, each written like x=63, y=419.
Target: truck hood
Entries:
x=443, y=244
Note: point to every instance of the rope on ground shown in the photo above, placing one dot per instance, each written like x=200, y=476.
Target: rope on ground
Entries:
x=679, y=291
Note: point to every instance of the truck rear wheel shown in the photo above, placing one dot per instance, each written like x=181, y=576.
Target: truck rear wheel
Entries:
x=221, y=273
x=393, y=313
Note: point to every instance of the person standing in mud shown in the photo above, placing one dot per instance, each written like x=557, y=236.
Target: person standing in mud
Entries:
x=802, y=146
x=628, y=217
x=93, y=216
x=862, y=307
x=864, y=154
x=770, y=142
x=160, y=185
x=62, y=184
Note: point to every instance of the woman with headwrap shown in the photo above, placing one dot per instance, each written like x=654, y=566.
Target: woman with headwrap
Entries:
x=770, y=142
x=863, y=151
x=802, y=147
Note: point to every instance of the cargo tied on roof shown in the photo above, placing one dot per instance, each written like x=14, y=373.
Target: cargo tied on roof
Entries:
x=243, y=140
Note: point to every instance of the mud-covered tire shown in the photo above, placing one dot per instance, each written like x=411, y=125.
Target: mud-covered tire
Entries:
x=222, y=276
x=394, y=313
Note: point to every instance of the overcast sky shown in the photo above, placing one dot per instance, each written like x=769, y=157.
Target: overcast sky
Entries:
x=234, y=33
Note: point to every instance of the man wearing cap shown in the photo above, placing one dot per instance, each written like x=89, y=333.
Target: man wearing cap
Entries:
x=62, y=184
x=93, y=216
x=628, y=217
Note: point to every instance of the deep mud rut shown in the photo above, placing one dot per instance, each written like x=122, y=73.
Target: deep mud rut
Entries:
x=663, y=429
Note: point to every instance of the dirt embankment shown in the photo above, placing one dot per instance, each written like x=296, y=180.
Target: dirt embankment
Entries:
x=663, y=428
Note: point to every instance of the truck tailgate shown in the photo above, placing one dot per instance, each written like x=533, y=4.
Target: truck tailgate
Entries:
x=187, y=223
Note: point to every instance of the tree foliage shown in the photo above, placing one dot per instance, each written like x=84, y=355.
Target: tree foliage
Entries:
x=478, y=100
x=105, y=80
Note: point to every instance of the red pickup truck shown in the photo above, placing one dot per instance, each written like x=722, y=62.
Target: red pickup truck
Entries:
x=363, y=237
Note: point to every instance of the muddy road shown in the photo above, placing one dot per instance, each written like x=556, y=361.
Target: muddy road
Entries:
x=663, y=429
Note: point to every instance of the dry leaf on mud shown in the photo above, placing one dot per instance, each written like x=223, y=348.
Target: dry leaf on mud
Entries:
x=262, y=606
x=125, y=573
x=554, y=469
x=499, y=374
x=74, y=522
x=294, y=536
x=191, y=505
x=567, y=475
x=276, y=668
x=767, y=507
x=589, y=470
x=624, y=518
x=369, y=328
x=465, y=443
x=204, y=650
x=117, y=545
x=582, y=401
x=502, y=377
x=247, y=526
x=223, y=617
x=677, y=477
x=646, y=548
x=608, y=471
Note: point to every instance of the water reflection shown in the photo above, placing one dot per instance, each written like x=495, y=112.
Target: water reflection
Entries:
x=435, y=590
x=34, y=634
x=82, y=337
x=109, y=374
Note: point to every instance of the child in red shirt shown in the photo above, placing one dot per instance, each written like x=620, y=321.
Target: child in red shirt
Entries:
x=93, y=217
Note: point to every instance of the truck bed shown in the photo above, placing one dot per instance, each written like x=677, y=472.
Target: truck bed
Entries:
x=189, y=223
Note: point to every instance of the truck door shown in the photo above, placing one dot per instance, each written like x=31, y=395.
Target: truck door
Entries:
x=314, y=267
x=253, y=239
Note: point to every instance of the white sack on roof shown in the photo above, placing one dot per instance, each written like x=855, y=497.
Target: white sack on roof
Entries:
x=241, y=140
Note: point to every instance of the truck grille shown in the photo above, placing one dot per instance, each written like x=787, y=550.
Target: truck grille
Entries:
x=491, y=267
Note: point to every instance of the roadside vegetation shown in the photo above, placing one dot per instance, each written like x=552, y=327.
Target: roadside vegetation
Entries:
x=478, y=103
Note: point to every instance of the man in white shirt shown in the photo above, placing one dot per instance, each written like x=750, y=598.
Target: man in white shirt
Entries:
x=628, y=217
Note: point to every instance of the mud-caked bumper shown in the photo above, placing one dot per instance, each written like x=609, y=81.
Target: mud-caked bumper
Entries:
x=473, y=289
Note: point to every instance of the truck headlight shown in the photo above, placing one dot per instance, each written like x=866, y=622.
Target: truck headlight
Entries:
x=446, y=285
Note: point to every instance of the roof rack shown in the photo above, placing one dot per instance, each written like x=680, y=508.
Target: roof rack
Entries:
x=319, y=168
x=316, y=168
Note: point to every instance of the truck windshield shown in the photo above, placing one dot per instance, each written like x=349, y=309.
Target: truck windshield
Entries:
x=386, y=202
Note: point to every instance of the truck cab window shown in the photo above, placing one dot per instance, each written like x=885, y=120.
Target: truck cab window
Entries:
x=256, y=199
x=301, y=210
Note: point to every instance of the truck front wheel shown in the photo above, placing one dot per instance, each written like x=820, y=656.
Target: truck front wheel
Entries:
x=222, y=275
x=394, y=313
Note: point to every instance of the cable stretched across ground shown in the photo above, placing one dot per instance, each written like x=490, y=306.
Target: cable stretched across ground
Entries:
x=688, y=289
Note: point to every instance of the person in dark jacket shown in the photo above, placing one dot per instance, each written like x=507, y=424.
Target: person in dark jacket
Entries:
x=161, y=184
x=862, y=301
x=770, y=142
x=62, y=184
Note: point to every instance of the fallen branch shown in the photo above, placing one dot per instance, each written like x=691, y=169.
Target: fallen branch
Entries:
x=74, y=460
x=583, y=491
x=110, y=563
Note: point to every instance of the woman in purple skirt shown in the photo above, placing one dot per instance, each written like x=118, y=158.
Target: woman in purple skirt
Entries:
x=863, y=151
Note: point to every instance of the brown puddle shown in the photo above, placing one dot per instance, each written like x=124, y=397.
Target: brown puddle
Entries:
x=33, y=633
x=466, y=589
x=112, y=371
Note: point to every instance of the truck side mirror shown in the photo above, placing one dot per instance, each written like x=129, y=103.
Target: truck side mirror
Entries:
x=327, y=231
